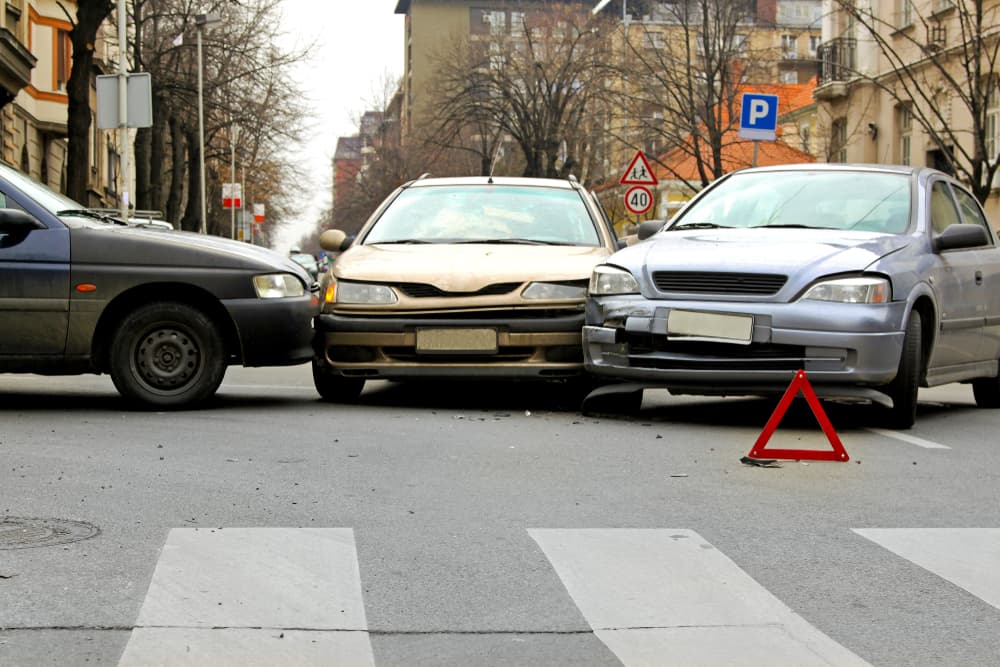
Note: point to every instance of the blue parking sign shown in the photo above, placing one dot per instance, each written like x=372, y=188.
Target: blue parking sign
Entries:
x=758, y=117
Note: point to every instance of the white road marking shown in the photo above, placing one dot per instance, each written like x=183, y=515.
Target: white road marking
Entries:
x=967, y=557
x=253, y=596
x=912, y=439
x=668, y=597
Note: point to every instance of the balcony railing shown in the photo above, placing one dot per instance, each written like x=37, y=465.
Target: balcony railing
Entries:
x=837, y=59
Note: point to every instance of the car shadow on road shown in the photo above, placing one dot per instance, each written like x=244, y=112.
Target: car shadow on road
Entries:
x=476, y=394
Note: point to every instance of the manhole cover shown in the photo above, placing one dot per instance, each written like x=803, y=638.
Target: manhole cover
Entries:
x=21, y=533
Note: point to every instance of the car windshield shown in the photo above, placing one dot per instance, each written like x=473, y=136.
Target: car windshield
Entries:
x=848, y=200
x=48, y=199
x=508, y=214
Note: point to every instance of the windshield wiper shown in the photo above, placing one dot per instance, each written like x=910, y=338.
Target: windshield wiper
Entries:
x=405, y=241
x=86, y=213
x=792, y=226
x=513, y=241
x=697, y=225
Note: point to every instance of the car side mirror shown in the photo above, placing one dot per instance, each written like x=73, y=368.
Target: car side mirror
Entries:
x=16, y=220
x=334, y=240
x=961, y=236
x=648, y=228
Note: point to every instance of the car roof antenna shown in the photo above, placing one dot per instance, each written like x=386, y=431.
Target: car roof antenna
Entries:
x=493, y=162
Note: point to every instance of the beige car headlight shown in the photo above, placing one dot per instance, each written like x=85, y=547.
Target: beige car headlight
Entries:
x=554, y=291
x=359, y=293
x=610, y=280
x=277, y=286
x=851, y=290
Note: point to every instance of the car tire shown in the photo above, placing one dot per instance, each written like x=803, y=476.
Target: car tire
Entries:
x=166, y=356
x=333, y=387
x=987, y=391
x=904, y=387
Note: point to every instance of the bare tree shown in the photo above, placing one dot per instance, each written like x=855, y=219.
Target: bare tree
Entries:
x=685, y=78
x=942, y=59
x=536, y=76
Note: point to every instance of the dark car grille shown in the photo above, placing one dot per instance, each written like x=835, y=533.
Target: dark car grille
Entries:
x=422, y=290
x=684, y=355
x=761, y=284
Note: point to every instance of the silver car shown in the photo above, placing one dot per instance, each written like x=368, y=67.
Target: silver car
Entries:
x=875, y=280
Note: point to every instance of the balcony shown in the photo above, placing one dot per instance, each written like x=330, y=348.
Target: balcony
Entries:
x=837, y=60
x=16, y=63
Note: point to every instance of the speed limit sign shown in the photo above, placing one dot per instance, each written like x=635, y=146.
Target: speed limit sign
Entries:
x=638, y=199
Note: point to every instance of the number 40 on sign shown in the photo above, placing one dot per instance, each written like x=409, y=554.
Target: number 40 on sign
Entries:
x=638, y=199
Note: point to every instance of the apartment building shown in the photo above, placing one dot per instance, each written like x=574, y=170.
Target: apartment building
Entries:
x=35, y=61
x=899, y=89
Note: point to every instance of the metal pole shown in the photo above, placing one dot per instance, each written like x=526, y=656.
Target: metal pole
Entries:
x=123, y=107
x=756, y=144
x=201, y=138
x=232, y=178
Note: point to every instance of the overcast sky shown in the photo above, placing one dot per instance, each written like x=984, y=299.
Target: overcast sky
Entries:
x=358, y=44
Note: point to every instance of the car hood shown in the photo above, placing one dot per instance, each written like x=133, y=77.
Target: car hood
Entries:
x=786, y=251
x=466, y=267
x=152, y=247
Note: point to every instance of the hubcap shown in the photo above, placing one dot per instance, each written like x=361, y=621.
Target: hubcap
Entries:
x=167, y=359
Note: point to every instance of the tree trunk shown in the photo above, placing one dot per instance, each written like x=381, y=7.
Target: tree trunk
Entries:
x=192, y=212
x=176, y=192
x=89, y=16
x=157, y=156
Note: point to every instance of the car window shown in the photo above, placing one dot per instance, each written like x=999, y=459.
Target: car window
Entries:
x=470, y=213
x=943, y=212
x=845, y=200
x=970, y=210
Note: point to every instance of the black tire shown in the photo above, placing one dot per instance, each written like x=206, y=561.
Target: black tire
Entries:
x=334, y=387
x=903, y=389
x=167, y=356
x=987, y=391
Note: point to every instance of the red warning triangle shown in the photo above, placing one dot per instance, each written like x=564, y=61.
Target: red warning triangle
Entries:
x=760, y=450
x=639, y=172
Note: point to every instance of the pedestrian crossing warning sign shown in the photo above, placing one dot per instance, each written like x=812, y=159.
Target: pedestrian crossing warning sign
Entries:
x=799, y=383
x=639, y=172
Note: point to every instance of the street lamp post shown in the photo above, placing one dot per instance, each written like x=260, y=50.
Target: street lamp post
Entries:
x=234, y=133
x=200, y=21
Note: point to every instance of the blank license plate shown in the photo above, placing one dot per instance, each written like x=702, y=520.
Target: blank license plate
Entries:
x=696, y=325
x=457, y=341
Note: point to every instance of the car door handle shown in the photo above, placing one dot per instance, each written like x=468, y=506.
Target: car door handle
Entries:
x=979, y=277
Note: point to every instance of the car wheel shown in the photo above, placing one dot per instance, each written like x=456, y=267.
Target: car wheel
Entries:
x=987, y=391
x=167, y=355
x=903, y=389
x=333, y=387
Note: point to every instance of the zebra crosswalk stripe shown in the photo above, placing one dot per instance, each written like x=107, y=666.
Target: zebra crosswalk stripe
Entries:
x=253, y=596
x=668, y=597
x=967, y=557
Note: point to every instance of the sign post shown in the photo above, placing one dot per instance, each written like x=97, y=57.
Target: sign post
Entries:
x=638, y=174
x=758, y=119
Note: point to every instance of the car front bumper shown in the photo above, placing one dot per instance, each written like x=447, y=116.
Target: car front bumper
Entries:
x=274, y=332
x=846, y=345
x=527, y=346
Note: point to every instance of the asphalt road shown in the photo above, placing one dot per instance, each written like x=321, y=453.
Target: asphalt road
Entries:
x=491, y=524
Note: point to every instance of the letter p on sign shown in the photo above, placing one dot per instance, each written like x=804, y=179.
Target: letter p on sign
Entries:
x=758, y=110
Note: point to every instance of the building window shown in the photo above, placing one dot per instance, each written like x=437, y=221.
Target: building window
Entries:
x=904, y=13
x=905, y=134
x=112, y=169
x=789, y=45
x=64, y=56
x=790, y=76
x=814, y=41
x=653, y=40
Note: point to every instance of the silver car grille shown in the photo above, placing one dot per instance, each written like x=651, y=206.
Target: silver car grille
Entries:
x=698, y=282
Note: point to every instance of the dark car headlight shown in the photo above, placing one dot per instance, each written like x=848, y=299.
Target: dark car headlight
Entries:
x=862, y=289
x=277, y=285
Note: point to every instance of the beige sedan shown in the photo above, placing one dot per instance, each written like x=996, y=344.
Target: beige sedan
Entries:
x=461, y=278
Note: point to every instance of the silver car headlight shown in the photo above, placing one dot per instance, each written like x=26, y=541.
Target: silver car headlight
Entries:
x=851, y=290
x=554, y=291
x=359, y=293
x=611, y=280
x=277, y=285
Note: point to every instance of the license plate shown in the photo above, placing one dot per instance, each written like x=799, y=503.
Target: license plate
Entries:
x=456, y=341
x=696, y=325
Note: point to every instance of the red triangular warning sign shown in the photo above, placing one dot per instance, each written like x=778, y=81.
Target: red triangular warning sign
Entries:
x=759, y=449
x=639, y=172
